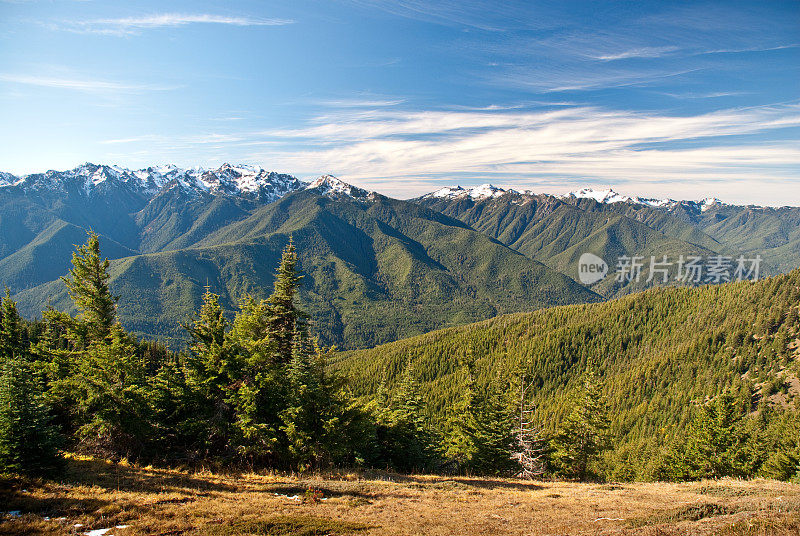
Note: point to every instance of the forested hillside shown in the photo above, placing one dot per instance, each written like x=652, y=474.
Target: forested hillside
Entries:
x=557, y=230
x=377, y=269
x=660, y=355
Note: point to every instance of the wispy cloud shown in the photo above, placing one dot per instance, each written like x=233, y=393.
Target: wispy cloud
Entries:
x=642, y=52
x=360, y=103
x=134, y=25
x=407, y=153
x=80, y=84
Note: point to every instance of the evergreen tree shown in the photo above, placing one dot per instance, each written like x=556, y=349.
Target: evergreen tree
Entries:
x=459, y=443
x=313, y=420
x=11, y=343
x=88, y=285
x=211, y=369
x=285, y=318
x=28, y=440
x=112, y=402
x=583, y=435
x=405, y=439
x=493, y=433
x=717, y=441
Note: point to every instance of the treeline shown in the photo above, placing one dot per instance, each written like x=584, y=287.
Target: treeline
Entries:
x=669, y=384
x=254, y=391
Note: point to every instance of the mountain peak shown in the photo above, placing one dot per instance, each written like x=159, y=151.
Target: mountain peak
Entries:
x=333, y=187
x=601, y=196
x=484, y=191
x=230, y=179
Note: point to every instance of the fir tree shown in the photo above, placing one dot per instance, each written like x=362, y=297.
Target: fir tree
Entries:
x=583, y=435
x=717, y=440
x=493, y=433
x=112, y=403
x=285, y=318
x=28, y=440
x=211, y=370
x=11, y=343
x=459, y=442
x=88, y=285
x=313, y=419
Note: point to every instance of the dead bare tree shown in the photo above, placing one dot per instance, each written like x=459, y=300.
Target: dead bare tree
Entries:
x=531, y=448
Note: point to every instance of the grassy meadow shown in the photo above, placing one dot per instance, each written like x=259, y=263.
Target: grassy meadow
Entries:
x=96, y=494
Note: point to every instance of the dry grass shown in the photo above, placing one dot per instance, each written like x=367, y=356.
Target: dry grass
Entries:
x=96, y=495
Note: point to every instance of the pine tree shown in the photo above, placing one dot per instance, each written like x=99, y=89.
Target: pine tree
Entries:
x=285, y=318
x=28, y=440
x=211, y=368
x=583, y=435
x=88, y=285
x=11, y=343
x=717, y=442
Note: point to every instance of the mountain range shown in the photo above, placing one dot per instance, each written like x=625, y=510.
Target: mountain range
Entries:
x=376, y=269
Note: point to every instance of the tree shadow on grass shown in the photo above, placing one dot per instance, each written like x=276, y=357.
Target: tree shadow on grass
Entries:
x=473, y=482
x=116, y=476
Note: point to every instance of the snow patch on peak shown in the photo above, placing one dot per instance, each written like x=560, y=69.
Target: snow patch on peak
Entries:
x=484, y=191
x=708, y=202
x=331, y=186
x=601, y=196
x=238, y=180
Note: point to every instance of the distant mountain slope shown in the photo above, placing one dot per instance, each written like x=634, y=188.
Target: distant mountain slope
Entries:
x=376, y=269
x=658, y=351
x=557, y=230
x=557, y=233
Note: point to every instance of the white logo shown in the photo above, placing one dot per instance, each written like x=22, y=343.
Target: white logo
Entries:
x=591, y=268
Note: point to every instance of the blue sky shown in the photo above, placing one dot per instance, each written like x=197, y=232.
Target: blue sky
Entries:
x=680, y=99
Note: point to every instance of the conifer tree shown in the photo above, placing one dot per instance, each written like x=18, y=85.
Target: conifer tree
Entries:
x=313, y=419
x=459, y=443
x=88, y=285
x=493, y=434
x=211, y=369
x=717, y=441
x=285, y=318
x=10, y=329
x=405, y=438
x=583, y=435
x=112, y=402
x=28, y=440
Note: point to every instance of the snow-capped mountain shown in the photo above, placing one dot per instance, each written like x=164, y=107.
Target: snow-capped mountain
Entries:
x=610, y=196
x=88, y=179
x=330, y=186
x=484, y=191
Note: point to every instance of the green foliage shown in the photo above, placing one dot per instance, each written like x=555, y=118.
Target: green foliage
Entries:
x=583, y=435
x=659, y=353
x=88, y=285
x=372, y=272
x=28, y=440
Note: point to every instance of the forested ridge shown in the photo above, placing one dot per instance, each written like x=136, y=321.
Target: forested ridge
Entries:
x=676, y=383
x=662, y=355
